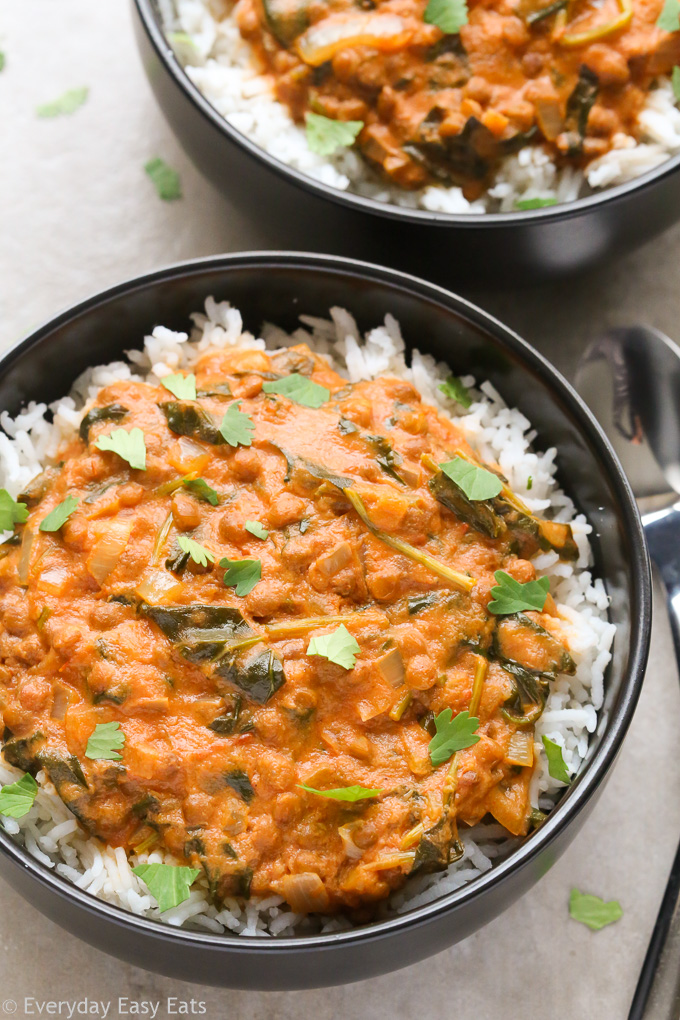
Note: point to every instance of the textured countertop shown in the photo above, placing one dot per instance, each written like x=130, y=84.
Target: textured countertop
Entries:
x=77, y=214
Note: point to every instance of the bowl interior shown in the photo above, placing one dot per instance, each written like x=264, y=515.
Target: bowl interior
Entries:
x=278, y=288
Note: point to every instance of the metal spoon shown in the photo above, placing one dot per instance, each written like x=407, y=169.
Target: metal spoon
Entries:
x=631, y=380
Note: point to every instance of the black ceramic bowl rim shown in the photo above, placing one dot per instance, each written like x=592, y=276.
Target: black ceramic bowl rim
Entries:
x=422, y=216
x=586, y=783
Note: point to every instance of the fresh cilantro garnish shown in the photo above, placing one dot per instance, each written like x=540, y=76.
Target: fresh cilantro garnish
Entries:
x=339, y=647
x=181, y=386
x=200, y=488
x=2, y=61
x=669, y=19
x=557, y=766
x=675, y=82
x=17, y=799
x=534, y=203
x=129, y=446
x=299, y=389
x=452, y=735
x=237, y=426
x=325, y=135
x=242, y=575
x=165, y=180
x=511, y=596
x=449, y=15
x=257, y=529
x=593, y=911
x=11, y=512
x=68, y=103
x=106, y=740
x=350, y=793
x=454, y=390
x=169, y=884
x=198, y=552
x=61, y=513
x=476, y=482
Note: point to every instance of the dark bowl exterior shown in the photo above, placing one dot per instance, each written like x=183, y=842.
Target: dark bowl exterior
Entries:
x=278, y=287
x=298, y=212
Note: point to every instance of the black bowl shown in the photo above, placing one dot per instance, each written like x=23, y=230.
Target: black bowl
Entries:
x=278, y=287
x=299, y=212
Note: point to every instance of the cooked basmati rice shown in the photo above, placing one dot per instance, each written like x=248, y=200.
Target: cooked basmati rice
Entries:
x=500, y=434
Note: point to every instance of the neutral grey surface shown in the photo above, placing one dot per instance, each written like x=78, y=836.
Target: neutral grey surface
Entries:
x=77, y=214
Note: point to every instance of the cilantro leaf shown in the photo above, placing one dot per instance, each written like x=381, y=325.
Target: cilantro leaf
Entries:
x=68, y=103
x=299, y=389
x=198, y=552
x=17, y=799
x=669, y=19
x=557, y=766
x=454, y=390
x=675, y=81
x=449, y=15
x=476, y=482
x=257, y=529
x=452, y=735
x=242, y=575
x=534, y=203
x=106, y=740
x=11, y=512
x=350, y=793
x=169, y=884
x=129, y=446
x=165, y=180
x=593, y=911
x=325, y=135
x=181, y=386
x=200, y=488
x=57, y=518
x=237, y=426
x=338, y=647
x=3, y=61
x=511, y=596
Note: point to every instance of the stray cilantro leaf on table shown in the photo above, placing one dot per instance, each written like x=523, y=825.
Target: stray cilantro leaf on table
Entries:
x=592, y=911
x=200, y=488
x=454, y=390
x=181, y=386
x=449, y=15
x=535, y=203
x=16, y=800
x=65, y=104
x=348, y=793
x=557, y=766
x=325, y=135
x=257, y=529
x=339, y=647
x=165, y=180
x=476, y=482
x=510, y=596
x=169, y=884
x=452, y=735
x=299, y=389
x=242, y=575
x=237, y=427
x=57, y=518
x=3, y=61
x=198, y=552
x=129, y=446
x=11, y=512
x=106, y=740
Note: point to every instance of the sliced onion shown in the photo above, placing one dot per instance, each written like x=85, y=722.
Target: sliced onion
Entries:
x=109, y=547
x=54, y=580
x=156, y=585
x=521, y=749
x=60, y=700
x=339, y=31
x=351, y=849
x=396, y=860
x=305, y=893
x=187, y=455
x=391, y=667
x=335, y=560
x=25, y=555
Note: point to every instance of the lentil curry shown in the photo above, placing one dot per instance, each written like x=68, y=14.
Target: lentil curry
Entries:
x=440, y=93
x=274, y=589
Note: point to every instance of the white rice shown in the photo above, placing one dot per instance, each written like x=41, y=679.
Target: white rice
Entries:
x=220, y=63
x=500, y=434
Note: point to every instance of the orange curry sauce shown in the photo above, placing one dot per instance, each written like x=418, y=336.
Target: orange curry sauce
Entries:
x=223, y=712
x=437, y=107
